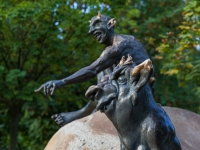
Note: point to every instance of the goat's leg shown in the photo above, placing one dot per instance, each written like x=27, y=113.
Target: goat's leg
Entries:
x=122, y=147
x=163, y=138
x=142, y=147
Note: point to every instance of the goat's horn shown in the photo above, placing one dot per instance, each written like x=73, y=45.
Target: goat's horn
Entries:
x=128, y=60
x=122, y=61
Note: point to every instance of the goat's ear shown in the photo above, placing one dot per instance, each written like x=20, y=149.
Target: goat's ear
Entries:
x=92, y=92
x=144, y=71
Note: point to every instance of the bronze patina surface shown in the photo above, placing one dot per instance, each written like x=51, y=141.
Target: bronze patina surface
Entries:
x=117, y=45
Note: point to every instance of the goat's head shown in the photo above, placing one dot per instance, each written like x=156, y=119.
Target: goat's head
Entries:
x=122, y=87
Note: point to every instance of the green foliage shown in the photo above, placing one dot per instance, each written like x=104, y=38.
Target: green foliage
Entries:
x=180, y=53
x=39, y=41
x=153, y=20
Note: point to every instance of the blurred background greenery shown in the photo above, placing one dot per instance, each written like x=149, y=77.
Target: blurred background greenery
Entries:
x=47, y=40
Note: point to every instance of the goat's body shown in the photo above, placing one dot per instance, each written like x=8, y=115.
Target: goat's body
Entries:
x=146, y=126
x=154, y=133
x=127, y=100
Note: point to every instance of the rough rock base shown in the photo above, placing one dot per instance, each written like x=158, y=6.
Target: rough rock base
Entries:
x=96, y=132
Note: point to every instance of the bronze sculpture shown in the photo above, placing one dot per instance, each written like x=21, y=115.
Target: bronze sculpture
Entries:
x=102, y=28
x=127, y=100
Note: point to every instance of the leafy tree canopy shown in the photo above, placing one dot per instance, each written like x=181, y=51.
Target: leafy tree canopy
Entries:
x=180, y=53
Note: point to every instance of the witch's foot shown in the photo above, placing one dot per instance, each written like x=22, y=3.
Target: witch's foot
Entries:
x=63, y=118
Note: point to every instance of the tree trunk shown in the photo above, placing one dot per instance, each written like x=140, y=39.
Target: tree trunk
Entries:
x=15, y=111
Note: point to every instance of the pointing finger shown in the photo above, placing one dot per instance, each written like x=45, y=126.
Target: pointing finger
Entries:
x=40, y=88
x=54, y=116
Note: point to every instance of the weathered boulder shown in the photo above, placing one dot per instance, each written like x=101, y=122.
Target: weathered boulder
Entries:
x=96, y=132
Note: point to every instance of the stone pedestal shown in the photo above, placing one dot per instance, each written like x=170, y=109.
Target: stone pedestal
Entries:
x=96, y=132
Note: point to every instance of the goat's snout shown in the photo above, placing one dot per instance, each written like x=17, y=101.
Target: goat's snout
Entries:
x=93, y=91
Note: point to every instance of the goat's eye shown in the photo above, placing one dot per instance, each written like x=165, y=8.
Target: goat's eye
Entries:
x=122, y=79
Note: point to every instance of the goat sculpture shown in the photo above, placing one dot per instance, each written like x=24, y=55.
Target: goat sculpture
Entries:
x=127, y=100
